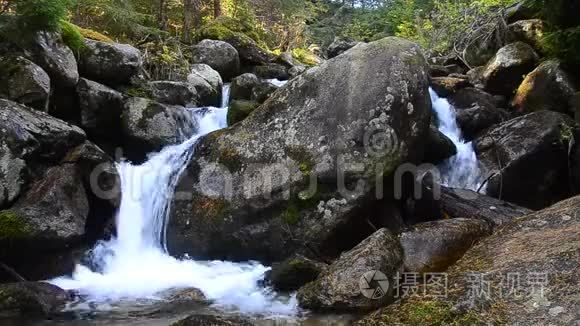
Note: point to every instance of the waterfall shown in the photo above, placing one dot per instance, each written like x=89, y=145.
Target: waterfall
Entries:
x=135, y=264
x=462, y=170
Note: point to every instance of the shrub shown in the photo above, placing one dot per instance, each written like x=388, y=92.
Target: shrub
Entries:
x=563, y=37
x=34, y=15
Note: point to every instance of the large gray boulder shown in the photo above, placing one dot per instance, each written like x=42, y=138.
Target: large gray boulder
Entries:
x=530, y=31
x=315, y=126
x=24, y=82
x=109, y=63
x=51, y=214
x=207, y=83
x=262, y=91
x=49, y=52
x=341, y=285
x=148, y=126
x=242, y=86
x=548, y=87
x=293, y=273
x=476, y=111
x=239, y=109
x=29, y=135
x=36, y=132
x=530, y=265
x=38, y=299
x=339, y=46
x=100, y=109
x=505, y=71
x=439, y=147
x=431, y=247
x=219, y=55
x=272, y=71
x=528, y=157
x=173, y=93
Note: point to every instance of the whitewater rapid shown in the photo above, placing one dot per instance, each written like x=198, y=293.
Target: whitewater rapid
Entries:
x=463, y=170
x=135, y=265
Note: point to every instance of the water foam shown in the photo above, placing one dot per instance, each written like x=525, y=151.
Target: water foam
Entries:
x=135, y=263
x=462, y=170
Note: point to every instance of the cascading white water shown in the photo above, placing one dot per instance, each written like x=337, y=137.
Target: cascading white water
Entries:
x=277, y=82
x=135, y=264
x=462, y=170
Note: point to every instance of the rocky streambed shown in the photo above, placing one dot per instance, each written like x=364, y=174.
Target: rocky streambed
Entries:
x=328, y=178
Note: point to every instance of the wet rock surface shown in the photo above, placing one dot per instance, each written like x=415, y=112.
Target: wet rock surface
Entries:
x=528, y=158
x=24, y=82
x=32, y=298
x=338, y=287
x=540, y=247
x=110, y=63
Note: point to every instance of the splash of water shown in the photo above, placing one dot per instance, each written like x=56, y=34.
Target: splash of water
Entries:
x=277, y=82
x=462, y=170
x=135, y=264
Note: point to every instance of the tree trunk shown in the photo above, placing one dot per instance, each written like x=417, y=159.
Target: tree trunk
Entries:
x=162, y=15
x=191, y=18
x=217, y=8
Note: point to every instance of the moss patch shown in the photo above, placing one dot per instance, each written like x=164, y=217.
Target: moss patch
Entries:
x=138, y=91
x=12, y=226
x=305, y=56
x=417, y=312
x=301, y=202
x=230, y=158
x=71, y=36
x=94, y=35
x=302, y=157
x=239, y=110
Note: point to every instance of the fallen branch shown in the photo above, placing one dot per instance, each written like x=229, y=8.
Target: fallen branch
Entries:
x=12, y=272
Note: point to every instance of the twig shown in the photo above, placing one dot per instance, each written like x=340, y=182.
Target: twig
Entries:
x=486, y=181
x=371, y=224
x=12, y=272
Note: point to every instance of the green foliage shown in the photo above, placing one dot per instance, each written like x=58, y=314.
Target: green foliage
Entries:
x=436, y=25
x=124, y=19
x=562, y=39
x=34, y=15
x=71, y=36
x=165, y=59
x=225, y=28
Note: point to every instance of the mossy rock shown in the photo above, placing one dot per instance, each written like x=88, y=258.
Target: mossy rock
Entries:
x=72, y=36
x=94, y=35
x=305, y=56
x=224, y=28
x=12, y=226
x=293, y=273
x=240, y=109
x=250, y=47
